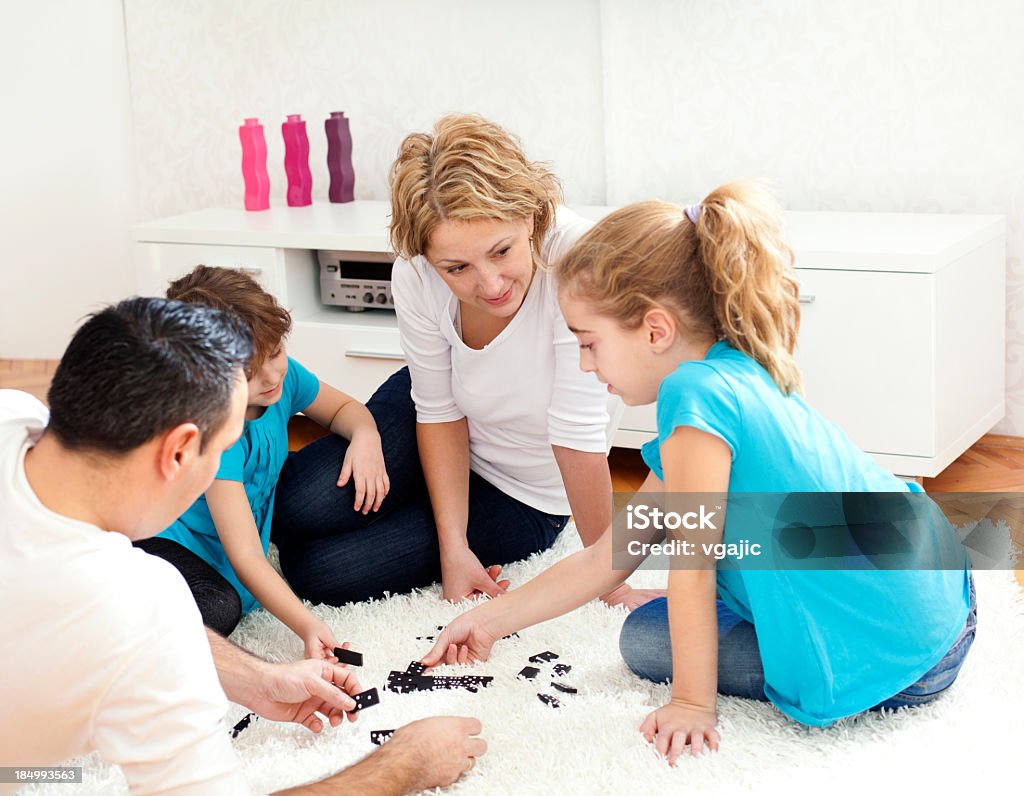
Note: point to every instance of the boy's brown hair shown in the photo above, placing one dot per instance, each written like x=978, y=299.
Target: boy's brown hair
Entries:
x=235, y=291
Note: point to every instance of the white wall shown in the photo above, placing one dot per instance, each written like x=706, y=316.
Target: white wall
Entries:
x=66, y=156
x=908, y=106
x=874, y=105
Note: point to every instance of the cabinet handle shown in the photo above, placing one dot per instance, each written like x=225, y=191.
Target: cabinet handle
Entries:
x=357, y=354
x=250, y=269
x=807, y=298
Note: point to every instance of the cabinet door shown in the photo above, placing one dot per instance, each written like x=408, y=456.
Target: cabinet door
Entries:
x=355, y=359
x=159, y=263
x=640, y=418
x=866, y=341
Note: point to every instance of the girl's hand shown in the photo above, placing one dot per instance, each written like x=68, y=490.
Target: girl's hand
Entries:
x=364, y=463
x=465, y=640
x=462, y=575
x=319, y=641
x=677, y=724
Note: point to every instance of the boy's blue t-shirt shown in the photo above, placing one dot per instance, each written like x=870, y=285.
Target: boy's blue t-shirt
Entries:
x=255, y=460
x=833, y=642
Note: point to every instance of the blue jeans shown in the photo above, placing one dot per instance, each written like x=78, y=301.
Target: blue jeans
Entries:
x=332, y=554
x=647, y=650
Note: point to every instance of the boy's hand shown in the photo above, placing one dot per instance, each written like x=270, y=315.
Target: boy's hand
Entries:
x=673, y=726
x=319, y=641
x=364, y=463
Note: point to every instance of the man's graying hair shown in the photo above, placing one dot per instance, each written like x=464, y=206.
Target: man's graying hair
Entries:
x=143, y=366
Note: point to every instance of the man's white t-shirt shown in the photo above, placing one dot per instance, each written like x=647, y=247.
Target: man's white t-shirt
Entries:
x=521, y=393
x=103, y=647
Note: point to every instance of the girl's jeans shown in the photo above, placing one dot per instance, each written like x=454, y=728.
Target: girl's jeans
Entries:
x=645, y=646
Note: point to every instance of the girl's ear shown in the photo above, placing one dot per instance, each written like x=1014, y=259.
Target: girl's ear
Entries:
x=660, y=329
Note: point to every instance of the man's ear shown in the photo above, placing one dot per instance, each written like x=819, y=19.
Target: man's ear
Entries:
x=178, y=448
x=660, y=329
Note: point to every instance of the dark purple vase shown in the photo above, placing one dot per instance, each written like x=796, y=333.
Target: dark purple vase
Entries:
x=339, y=158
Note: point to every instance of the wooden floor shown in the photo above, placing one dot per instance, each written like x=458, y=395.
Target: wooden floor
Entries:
x=993, y=464
x=30, y=375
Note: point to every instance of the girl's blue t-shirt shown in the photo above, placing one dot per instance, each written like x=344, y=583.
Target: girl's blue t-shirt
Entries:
x=255, y=460
x=833, y=642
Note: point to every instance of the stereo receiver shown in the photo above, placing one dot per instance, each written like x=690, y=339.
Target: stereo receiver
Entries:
x=356, y=281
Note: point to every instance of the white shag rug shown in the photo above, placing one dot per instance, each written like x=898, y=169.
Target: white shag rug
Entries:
x=972, y=737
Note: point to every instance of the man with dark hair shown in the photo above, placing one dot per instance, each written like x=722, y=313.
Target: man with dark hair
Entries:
x=104, y=647
x=143, y=367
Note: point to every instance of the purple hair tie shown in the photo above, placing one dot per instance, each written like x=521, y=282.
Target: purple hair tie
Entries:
x=692, y=212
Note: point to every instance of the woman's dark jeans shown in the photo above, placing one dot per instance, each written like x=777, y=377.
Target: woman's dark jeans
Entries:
x=332, y=554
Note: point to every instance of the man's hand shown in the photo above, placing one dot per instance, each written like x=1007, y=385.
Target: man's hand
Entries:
x=444, y=746
x=298, y=691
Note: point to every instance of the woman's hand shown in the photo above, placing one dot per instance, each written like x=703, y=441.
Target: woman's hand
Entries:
x=673, y=726
x=465, y=640
x=318, y=640
x=462, y=575
x=631, y=598
x=364, y=463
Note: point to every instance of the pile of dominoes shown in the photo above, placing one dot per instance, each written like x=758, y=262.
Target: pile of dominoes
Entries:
x=414, y=679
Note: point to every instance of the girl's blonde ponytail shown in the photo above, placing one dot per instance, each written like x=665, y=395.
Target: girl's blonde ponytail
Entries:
x=720, y=266
x=749, y=270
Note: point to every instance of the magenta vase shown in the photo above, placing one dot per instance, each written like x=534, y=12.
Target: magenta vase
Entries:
x=296, y=161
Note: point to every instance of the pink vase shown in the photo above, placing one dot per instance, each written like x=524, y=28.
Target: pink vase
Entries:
x=254, y=165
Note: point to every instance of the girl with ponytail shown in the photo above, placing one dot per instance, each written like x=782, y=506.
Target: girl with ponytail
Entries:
x=697, y=308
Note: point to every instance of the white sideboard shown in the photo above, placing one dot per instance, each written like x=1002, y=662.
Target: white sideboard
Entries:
x=901, y=340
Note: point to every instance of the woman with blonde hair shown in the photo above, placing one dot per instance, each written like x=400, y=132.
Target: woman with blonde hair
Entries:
x=492, y=436
x=696, y=308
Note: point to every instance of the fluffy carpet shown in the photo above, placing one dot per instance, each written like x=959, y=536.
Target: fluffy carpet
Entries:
x=973, y=735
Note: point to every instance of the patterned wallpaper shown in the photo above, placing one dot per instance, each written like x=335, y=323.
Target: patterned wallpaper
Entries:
x=875, y=105
x=199, y=67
